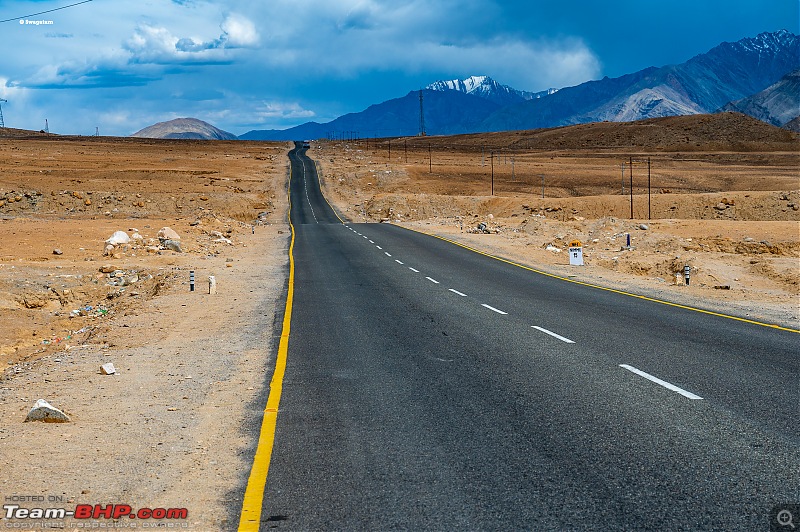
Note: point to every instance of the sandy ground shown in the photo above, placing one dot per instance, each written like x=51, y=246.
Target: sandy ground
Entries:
x=176, y=426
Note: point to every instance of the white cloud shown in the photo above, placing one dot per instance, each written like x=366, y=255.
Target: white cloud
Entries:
x=18, y=95
x=147, y=38
x=239, y=32
x=269, y=111
x=524, y=65
x=348, y=38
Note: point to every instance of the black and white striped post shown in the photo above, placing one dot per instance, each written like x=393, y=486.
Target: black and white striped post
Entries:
x=686, y=270
x=191, y=280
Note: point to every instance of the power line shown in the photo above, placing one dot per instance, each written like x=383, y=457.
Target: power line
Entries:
x=48, y=11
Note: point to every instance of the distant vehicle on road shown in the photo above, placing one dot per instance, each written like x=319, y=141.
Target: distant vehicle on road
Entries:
x=306, y=143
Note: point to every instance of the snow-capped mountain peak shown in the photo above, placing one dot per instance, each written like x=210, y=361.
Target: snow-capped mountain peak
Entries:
x=469, y=85
x=487, y=88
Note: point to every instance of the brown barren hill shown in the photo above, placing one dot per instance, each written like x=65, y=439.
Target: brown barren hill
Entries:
x=715, y=132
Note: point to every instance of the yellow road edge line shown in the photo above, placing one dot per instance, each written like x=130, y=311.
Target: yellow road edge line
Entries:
x=254, y=493
x=590, y=285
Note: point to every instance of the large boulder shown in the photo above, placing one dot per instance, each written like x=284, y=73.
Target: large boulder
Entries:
x=44, y=411
x=173, y=245
x=119, y=237
x=166, y=233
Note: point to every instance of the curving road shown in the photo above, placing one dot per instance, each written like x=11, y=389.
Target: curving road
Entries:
x=430, y=387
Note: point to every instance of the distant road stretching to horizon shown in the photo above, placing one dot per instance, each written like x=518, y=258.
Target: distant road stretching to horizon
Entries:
x=430, y=387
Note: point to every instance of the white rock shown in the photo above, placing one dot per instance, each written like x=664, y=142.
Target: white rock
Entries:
x=137, y=236
x=174, y=245
x=119, y=237
x=44, y=411
x=165, y=233
x=108, y=369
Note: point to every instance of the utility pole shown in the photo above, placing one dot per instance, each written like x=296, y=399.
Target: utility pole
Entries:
x=405, y=149
x=631, y=168
x=430, y=158
x=623, y=177
x=648, y=188
x=421, y=116
x=491, y=157
x=46, y=127
x=2, y=123
x=542, y=185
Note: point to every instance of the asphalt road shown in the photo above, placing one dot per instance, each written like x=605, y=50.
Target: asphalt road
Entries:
x=429, y=387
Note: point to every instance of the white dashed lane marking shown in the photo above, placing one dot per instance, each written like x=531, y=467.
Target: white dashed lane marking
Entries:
x=434, y=281
x=493, y=309
x=457, y=292
x=554, y=335
x=413, y=270
x=665, y=384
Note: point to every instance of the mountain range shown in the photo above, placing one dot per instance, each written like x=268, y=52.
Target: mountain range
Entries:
x=758, y=76
x=706, y=83
x=778, y=104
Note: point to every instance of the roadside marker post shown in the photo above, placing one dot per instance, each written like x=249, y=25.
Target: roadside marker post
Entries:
x=686, y=270
x=575, y=253
x=191, y=280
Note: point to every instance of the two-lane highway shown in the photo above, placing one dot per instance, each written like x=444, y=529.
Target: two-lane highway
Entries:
x=427, y=386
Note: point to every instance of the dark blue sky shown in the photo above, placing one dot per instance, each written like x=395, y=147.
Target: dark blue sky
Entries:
x=121, y=66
